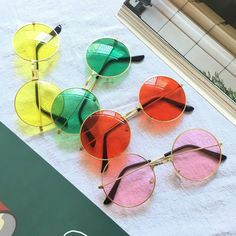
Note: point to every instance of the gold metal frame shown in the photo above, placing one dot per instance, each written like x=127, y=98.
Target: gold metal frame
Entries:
x=91, y=81
x=192, y=76
x=109, y=77
x=154, y=184
x=35, y=72
x=219, y=144
x=163, y=160
x=133, y=113
x=82, y=146
x=162, y=121
x=21, y=27
x=38, y=81
x=59, y=130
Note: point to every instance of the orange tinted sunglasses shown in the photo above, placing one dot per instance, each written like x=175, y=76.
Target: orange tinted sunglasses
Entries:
x=106, y=133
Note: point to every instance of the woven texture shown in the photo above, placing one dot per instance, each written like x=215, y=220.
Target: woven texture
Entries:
x=176, y=207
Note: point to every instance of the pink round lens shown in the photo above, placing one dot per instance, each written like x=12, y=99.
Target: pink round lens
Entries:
x=196, y=154
x=135, y=187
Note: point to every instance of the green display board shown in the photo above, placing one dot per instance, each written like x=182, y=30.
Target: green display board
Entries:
x=42, y=200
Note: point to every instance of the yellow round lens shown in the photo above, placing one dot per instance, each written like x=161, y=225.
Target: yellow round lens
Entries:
x=36, y=41
x=33, y=102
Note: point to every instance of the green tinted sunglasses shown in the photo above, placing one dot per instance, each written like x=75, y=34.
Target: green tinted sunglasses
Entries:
x=106, y=57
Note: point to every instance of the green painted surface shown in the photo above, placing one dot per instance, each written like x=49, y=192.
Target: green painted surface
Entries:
x=43, y=201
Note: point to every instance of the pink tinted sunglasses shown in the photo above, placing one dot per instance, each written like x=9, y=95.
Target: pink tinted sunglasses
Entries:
x=130, y=180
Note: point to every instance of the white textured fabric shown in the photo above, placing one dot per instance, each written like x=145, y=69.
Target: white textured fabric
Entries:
x=176, y=207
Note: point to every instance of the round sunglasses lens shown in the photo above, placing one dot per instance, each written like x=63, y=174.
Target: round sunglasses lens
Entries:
x=135, y=187
x=108, y=57
x=162, y=98
x=71, y=107
x=105, y=134
x=196, y=154
x=33, y=102
x=34, y=42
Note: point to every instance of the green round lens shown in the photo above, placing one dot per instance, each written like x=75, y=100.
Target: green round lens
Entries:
x=71, y=107
x=108, y=57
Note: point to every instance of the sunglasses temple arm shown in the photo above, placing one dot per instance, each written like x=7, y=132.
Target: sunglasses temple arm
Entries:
x=45, y=112
x=128, y=116
x=92, y=142
x=35, y=66
x=111, y=195
x=163, y=97
x=53, y=33
x=216, y=155
x=113, y=190
x=186, y=108
x=90, y=83
x=104, y=154
x=57, y=29
x=105, y=64
x=89, y=135
x=38, y=104
x=35, y=76
x=105, y=158
x=80, y=106
x=133, y=113
x=138, y=58
x=133, y=59
x=37, y=100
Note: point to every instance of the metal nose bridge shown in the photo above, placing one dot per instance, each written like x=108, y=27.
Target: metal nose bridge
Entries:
x=161, y=161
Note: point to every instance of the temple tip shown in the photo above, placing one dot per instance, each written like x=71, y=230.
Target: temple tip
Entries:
x=223, y=157
x=137, y=58
x=189, y=108
x=107, y=201
x=104, y=166
x=58, y=29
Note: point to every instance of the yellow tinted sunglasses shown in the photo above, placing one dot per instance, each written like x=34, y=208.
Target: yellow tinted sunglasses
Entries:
x=36, y=42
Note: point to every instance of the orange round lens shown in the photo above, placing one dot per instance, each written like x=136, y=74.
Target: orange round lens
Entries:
x=105, y=134
x=162, y=98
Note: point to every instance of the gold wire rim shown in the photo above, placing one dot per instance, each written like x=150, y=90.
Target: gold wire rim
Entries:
x=156, y=120
x=216, y=169
x=128, y=120
x=78, y=88
x=102, y=76
x=213, y=173
x=95, y=73
x=113, y=157
x=154, y=185
x=45, y=59
x=33, y=81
